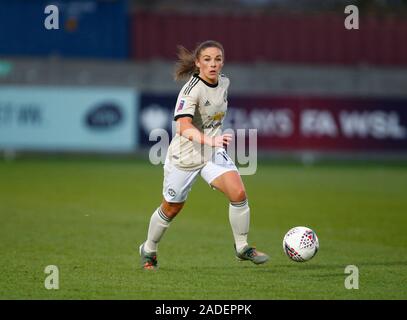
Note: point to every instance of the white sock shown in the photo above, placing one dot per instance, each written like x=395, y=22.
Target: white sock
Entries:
x=159, y=222
x=239, y=217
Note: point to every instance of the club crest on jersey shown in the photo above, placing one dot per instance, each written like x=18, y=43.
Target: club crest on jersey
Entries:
x=216, y=120
x=181, y=105
x=171, y=192
x=218, y=116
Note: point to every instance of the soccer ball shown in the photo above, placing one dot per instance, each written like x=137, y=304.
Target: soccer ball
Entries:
x=300, y=244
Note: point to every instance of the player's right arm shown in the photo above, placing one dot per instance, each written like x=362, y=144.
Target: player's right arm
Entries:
x=186, y=129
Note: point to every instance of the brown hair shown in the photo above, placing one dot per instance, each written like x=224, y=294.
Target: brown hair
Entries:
x=185, y=66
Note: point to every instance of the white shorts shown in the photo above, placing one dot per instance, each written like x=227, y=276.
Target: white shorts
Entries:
x=177, y=182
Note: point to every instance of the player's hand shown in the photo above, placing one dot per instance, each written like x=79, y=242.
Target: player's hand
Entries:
x=221, y=141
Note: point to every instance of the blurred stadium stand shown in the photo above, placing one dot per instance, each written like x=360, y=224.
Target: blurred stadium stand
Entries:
x=369, y=61
x=291, y=37
x=285, y=48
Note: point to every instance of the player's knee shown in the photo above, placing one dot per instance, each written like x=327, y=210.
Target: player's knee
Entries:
x=171, y=209
x=238, y=195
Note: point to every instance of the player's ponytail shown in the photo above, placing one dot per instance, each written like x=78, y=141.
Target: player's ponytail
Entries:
x=185, y=66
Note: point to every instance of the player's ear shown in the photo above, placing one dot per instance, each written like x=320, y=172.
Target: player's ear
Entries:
x=197, y=64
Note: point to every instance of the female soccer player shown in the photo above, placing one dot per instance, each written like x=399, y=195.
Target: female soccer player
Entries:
x=198, y=148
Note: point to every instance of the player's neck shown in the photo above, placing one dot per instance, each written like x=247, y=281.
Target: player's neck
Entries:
x=207, y=81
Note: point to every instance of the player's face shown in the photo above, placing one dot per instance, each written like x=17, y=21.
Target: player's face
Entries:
x=210, y=63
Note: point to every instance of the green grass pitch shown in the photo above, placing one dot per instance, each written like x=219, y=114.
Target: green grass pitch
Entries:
x=88, y=217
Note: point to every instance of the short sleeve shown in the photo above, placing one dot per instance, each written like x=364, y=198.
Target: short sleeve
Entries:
x=187, y=100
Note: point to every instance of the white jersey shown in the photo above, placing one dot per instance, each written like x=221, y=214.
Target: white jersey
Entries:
x=206, y=104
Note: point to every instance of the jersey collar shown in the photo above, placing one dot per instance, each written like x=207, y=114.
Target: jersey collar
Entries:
x=212, y=85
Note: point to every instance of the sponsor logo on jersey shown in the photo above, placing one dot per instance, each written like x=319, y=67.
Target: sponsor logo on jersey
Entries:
x=212, y=125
